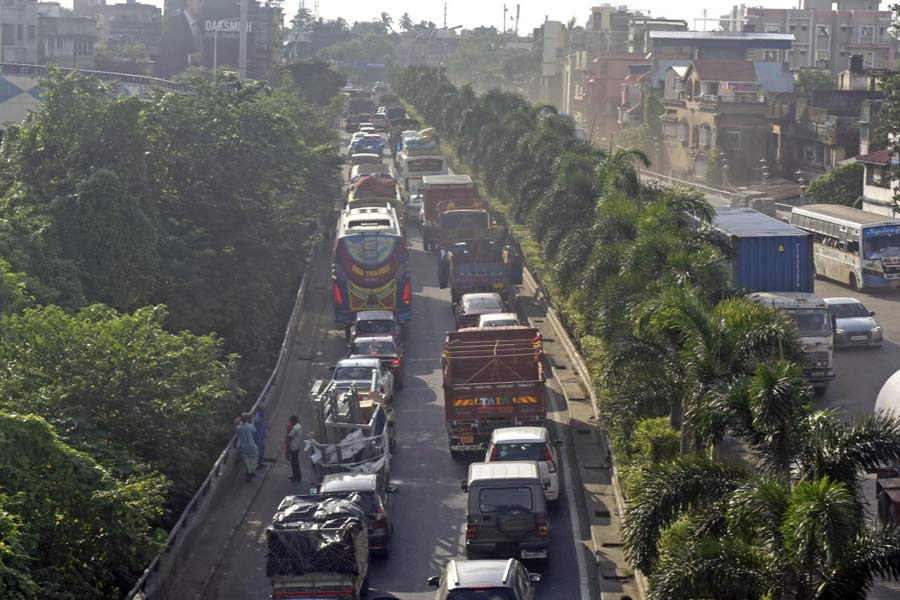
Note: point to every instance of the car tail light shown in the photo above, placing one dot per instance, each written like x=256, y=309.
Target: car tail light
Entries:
x=543, y=529
x=549, y=458
x=382, y=388
x=395, y=362
x=493, y=455
x=380, y=519
x=336, y=290
x=407, y=293
x=471, y=531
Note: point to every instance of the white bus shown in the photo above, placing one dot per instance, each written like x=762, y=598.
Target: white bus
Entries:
x=855, y=247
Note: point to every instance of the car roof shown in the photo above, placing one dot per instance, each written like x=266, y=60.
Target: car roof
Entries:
x=500, y=317
x=349, y=482
x=473, y=573
x=374, y=315
x=359, y=362
x=514, y=469
x=374, y=338
x=507, y=435
x=842, y=301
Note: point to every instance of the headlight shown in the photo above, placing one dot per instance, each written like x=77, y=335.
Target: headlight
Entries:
x=876, y=329
x=821, y=364
x=839, y=331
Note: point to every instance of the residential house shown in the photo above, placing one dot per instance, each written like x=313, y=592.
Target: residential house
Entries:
x=603, y=90
x=123, y=23
x=631, y=103
x=880, y=182
x=713, y=45
x=65, y=40
x=553, y=48
x=640, y=27
x=18, y=31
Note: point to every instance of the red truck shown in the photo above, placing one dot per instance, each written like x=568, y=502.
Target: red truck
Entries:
x=493, y=377
x=452, y=211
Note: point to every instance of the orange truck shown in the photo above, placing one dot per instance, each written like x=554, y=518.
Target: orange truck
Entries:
x=452, y=212
x=493, y=377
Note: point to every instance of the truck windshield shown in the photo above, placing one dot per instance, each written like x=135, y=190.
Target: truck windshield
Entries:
x=467, y=220
x=482, y=594
x=425, y=165
x=811, y=323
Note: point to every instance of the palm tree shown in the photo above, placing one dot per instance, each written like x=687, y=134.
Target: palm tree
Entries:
x=793, y=529
x=387, y=22
x=406, y=22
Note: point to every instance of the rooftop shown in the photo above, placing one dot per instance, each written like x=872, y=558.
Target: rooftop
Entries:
x=724, y=70
x=720, y=35
x=881, y=157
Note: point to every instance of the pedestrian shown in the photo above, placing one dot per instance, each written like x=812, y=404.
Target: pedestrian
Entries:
x=293, y=443
x=261, y=428
x=248, y=452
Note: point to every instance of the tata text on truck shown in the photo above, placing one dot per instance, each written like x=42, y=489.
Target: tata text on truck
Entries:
x=810, y=314
x=493, y=377
x=452, y=212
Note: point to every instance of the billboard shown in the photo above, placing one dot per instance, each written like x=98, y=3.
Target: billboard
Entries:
x=203, y=33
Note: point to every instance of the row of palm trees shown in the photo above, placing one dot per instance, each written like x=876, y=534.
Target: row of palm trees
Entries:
x=639, y=279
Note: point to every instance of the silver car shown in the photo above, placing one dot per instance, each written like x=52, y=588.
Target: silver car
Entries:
x=855, y=325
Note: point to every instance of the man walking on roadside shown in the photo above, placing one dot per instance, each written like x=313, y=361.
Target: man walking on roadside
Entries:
x=246, y=446
x=292, y=444
x=261, y=428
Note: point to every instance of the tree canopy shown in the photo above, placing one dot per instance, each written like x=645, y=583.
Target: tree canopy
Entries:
x=841, y=185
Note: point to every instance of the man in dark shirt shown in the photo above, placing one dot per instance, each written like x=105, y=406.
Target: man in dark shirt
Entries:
x=182, y=42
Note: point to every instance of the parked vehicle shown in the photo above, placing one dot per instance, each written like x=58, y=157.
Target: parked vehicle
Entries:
x=471, y=306
x=318, y=546
x=506, y=514
x=528, y=443
x=371, y=264
x=479, y=265
x=810, y=314
x=384, y=348
x=493, y=378
x=498, y=320
x=852, y=246
x=485, y=580
x=854, y=324
x=375, y=496
x=363, y=373
x=767, y=255
x=452, y=212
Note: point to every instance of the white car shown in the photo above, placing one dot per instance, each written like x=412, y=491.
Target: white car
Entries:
x=528, y=443
x=379, y=122
x=414, y=208
x=367, y=128
x=358, y=371
x=499, y=320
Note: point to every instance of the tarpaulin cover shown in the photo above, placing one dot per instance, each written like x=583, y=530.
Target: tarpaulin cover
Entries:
x=312, y=534
x=375, y=185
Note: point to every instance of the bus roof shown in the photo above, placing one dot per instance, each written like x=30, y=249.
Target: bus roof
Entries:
x=846, y=214
x=369, y=219
x=447, y=180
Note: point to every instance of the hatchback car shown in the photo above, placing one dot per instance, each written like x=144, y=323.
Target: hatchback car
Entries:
x=854, y=324
x=499, y=320
x=485, y=580
x=376, y=496
x=528, y=443
x=384, y=348
x=472, y=306
x=350, y=372
x=376, y=322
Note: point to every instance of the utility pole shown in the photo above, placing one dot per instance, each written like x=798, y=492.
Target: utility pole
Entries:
x=517, y=19
x=503, y=31
x=445, y=14
x=242, y=48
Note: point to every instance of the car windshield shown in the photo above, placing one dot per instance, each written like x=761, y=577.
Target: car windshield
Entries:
x=482, y=594
x=381, y=326
x=811, y=323
x=374, y=347
x=520, y=451
x=353, y=373
x=848, y=311
x=482, y=304
x=493, y=500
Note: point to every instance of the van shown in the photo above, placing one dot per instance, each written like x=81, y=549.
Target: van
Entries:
x=506, y=514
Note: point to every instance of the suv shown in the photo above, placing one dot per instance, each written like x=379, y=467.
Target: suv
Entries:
x=376, y=322
x=507, y=513
x=528, y=443
x=485, y=580
x=376, y=496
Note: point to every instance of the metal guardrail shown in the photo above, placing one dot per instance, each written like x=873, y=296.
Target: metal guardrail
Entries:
x=162, y=566
x=29, y=70
x=724, y=195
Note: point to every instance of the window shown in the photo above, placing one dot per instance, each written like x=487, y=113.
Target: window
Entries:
x=877, y=176
x=866, y=31
x=823, y=55
x=770, y=56
x=492, y=500
x=602, y=68
x=20, y=32
x=793, y=27
x=843, y=28
x=803, y=53
x=881, y=31
x=9, y=33
x=823, y=31
x=31, y=33
x=705, y=136
x=868, y=60
x=803, y=28
x=771, y=28
x=731, y=140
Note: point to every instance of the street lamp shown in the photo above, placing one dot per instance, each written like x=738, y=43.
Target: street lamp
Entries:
x=725, y=167
x=802, y=181
x=764, y=173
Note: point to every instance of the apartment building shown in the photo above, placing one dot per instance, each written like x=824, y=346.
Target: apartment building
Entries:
x=18, y=31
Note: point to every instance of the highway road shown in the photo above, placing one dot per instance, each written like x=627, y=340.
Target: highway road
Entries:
x=429, y=509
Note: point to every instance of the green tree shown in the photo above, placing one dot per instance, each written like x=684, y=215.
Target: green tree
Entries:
x=809, y=80
x=406, y=22
x=841, y=185
x=315, y=81
x=387, y=21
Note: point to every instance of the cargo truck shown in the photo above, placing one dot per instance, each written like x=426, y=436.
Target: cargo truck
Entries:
x=452, y=212
x=493, y=377
x=319, y=548
x=765, y=254
x=480, y=266
x=815, y=330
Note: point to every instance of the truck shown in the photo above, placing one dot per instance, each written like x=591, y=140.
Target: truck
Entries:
x=319, y=547
x=492, y=377
x=480, y=266
x=452, y=212
x=360, y=105
x=765, y=254
x=815, y=329
x=419, y=155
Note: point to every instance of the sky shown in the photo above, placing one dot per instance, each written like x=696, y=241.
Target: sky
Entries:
x=473, y=13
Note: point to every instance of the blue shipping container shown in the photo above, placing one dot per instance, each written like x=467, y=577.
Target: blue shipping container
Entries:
x=768, y=255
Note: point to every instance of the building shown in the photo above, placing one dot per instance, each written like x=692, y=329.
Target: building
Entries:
x=716, y=111
x=631, y=102
x=714, y=45
x=640, y=27
x=879, y=182
x=553, y=46
x=18, y=31
x=65, y=40
x=826, y=38
x=603, y=90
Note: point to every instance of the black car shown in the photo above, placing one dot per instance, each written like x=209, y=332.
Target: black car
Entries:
x=383, y=347
x=375, y=494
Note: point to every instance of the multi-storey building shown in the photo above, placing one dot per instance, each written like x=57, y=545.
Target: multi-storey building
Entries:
x=18, y=31
x=65, y=40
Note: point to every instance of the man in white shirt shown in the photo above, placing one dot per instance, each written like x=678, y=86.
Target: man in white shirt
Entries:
x=292, y=445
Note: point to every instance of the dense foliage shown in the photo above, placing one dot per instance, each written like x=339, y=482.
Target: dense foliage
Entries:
x=841, y=185
x=680, y=362
x=150, y=251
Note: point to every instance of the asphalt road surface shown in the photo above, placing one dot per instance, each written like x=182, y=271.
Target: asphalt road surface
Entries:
x=429, y=509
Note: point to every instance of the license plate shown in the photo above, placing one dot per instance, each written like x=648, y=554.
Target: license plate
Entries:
x=466, y=438
x=859, y=338
x=534, y=554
